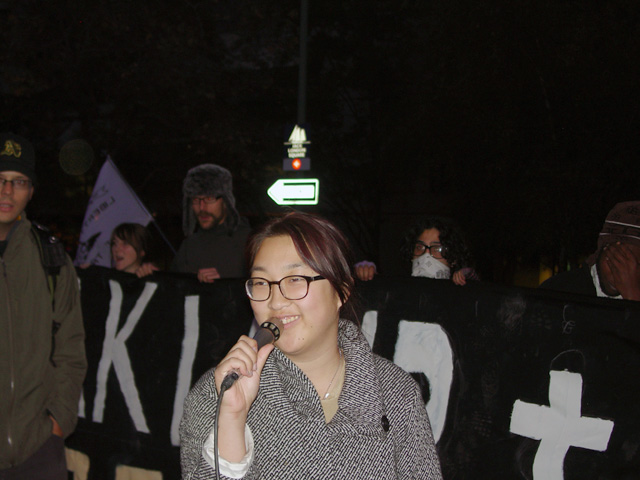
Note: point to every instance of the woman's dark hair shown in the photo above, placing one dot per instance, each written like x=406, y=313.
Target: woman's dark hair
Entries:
x=320, y=244
x=456, y=251
x=135, y=235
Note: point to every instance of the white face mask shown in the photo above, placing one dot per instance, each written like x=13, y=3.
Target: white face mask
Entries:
x=427, y=266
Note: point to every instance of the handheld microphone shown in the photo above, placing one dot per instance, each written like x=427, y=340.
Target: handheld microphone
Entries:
x=269, y=332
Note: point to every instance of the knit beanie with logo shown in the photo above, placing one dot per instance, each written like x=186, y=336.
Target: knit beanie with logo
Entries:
x=17, y=155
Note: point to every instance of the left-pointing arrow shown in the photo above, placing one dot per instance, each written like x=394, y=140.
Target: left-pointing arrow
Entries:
x=298, y=191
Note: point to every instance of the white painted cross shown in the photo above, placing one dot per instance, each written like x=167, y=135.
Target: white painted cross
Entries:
x=559, y=426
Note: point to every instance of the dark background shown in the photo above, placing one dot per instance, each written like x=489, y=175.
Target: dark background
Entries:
x=520, y=119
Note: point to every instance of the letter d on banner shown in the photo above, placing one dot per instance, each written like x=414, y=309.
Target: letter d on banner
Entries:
x=425, y=347
x=422, y=348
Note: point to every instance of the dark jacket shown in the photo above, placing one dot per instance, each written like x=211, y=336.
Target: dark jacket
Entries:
x=216, y=247
x=31, y=387
x=578, y=280
x=380, y=431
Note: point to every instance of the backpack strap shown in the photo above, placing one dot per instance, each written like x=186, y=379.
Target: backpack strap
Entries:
x=53, y=257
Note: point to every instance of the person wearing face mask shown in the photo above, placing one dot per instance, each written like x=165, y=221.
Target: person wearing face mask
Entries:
x=437, y=249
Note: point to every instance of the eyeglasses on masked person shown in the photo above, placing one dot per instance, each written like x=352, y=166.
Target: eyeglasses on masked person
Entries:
x=435, y=249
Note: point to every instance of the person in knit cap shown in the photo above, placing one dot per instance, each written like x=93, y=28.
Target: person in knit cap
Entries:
x=42, y=372
x=613, y=271
x=215, y=232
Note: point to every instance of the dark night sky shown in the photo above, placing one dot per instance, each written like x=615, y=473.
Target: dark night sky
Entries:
x=519, y=119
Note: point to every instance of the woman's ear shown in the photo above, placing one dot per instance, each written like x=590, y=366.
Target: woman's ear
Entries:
x=346, y=289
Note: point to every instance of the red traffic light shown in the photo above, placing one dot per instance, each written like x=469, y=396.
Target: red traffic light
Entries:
x=296, y=164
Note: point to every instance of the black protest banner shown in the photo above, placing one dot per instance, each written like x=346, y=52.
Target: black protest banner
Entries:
x=519, y=383
x=147, y=342
x=541, y=383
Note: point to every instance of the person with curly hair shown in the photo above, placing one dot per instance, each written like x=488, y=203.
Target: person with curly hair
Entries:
x=437, y=249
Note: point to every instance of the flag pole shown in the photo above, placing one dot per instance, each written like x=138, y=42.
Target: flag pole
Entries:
x=153, y=220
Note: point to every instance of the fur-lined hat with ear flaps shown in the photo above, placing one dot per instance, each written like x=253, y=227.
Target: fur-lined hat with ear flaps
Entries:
x=208, y=180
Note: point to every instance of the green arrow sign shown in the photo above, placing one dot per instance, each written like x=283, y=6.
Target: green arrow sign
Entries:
x=295, y=191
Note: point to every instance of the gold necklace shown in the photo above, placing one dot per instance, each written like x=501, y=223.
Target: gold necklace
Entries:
x=326, y=394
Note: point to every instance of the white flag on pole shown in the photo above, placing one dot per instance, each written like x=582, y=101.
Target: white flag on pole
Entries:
x=112, y=202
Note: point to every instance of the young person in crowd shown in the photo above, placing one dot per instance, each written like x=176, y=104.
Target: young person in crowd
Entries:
x=130, y=248
x=319, y=404
x=436, y=248
x=42, y=353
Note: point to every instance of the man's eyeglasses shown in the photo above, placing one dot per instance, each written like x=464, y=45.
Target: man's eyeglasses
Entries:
x=293, y=287
x=16, y=183
x=435, y=249
x=206, y=200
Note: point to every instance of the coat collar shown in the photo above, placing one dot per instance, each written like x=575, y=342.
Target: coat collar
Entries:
x=360, y=405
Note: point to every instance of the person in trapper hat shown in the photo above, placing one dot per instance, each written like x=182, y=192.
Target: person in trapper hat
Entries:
x=42, y=356
x=215, y=232
x=613, y=270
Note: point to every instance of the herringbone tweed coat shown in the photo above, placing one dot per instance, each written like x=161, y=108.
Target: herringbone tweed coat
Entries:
x=381, y=430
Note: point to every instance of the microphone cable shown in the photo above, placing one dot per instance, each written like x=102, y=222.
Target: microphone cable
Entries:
x=226, y=384
x=269, y=332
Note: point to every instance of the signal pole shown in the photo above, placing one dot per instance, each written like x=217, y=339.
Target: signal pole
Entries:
x=302, y=73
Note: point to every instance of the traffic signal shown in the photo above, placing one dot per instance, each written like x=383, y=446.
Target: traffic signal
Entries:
x=296, y=164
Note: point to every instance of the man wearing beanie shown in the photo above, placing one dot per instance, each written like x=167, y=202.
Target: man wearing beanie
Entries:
x=613, y=271
x=42, y=358
x=216, y=234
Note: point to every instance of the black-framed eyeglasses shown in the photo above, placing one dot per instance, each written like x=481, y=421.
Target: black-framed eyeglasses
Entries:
x=435, y=249
x=292, y=287
x=16, y=183
x=206, y=200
